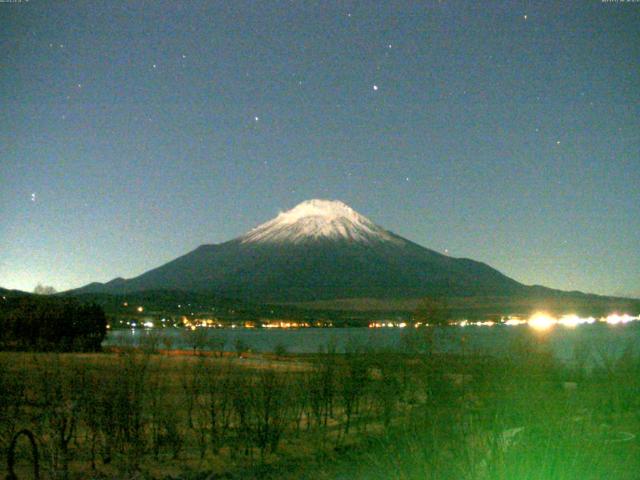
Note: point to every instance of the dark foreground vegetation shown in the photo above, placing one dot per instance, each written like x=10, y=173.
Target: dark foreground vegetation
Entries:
x=362, y=414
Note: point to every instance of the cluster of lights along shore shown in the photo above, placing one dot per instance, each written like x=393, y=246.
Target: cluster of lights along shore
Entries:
x=537, y=321
x=540, y=321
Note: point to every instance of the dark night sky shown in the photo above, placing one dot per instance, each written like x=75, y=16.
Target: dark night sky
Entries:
x=507, y=132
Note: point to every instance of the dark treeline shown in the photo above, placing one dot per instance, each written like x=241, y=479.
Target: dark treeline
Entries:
x=42, y=323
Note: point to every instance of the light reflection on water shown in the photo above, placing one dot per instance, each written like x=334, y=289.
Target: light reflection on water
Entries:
x=600, y=339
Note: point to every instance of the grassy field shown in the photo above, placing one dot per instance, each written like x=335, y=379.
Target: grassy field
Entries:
x=363, y=414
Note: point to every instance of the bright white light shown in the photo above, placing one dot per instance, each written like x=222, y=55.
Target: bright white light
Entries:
x=541, y=321
x=488, y=323
x=514, y=321
x=615, y=319
x=148, y=324
x=571, y=321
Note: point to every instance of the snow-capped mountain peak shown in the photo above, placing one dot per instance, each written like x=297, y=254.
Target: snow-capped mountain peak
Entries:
x=318, y=219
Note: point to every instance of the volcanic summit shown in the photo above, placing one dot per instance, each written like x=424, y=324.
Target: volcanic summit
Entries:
x=318, y=250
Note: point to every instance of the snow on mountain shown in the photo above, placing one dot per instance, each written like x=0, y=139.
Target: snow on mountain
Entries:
x=324, y=250
x=318, y=219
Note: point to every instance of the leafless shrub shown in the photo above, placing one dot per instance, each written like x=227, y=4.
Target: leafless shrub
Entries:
x=194, y=383
x=219, y=385
x=270, y=412
x=352, y=382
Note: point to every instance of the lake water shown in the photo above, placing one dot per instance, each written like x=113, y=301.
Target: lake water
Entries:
x=602, y=341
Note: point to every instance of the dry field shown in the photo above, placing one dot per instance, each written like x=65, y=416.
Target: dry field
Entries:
x=363, y=414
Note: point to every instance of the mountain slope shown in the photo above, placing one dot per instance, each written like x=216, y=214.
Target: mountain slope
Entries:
x=319, y=250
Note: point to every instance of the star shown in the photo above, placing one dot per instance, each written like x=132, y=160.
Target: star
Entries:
x=256, y=118
x=558, y=142
x=525, y=16
x=375, y=88
x=33, y=197
x=154, y=66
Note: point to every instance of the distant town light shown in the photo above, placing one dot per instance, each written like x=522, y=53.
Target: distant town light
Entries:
x=541, y=321
x=615, y=319
x=514, y=321
x=571, y=321
x=488, y=323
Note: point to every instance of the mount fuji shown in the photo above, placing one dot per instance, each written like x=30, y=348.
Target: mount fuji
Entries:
x=319, y=250
x=323, y=255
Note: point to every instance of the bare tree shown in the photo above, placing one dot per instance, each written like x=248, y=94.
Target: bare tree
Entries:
x=194, y=384
x=197, y=339
x=270, y=410
x=352, y=385
x=44, y=290
x=242, y=402
x=219, y=402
